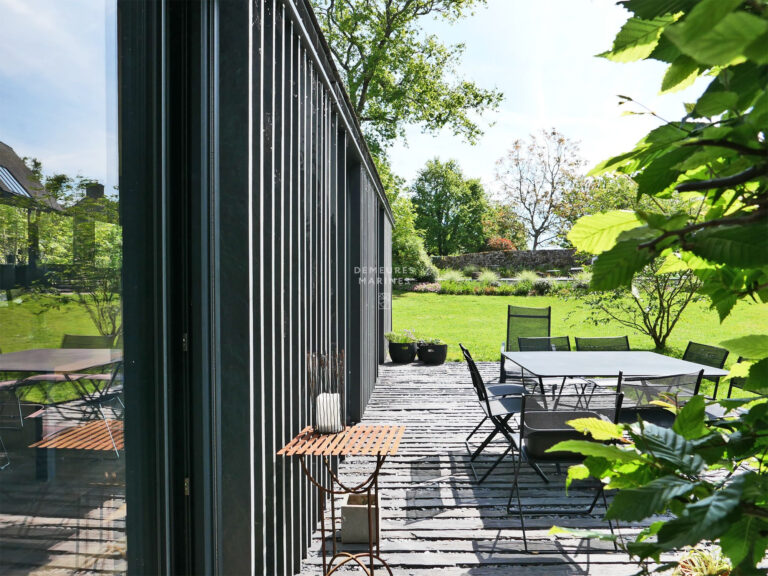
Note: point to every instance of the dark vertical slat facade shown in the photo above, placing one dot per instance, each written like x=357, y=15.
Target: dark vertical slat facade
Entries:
x=306, y=275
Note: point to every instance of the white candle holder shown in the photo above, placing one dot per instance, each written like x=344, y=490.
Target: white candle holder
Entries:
x=326, y=388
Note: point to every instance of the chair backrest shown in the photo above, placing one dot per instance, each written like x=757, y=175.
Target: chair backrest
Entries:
x=526, y=322
x=640, y=392
x=544, y=419
x=477, y=380
x=737, y=381
x=82, y=341
x=705, y=354
x=602, y=344
x=552, y=344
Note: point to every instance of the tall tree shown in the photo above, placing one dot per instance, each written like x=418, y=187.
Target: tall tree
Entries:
x=501, y=221
x=534, y=176
x=596, y=194
x=449, y=208
x=396, y=74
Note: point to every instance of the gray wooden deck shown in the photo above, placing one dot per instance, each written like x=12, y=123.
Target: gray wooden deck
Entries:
x=436, y=519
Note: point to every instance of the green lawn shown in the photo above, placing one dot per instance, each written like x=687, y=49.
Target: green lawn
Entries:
x=479, y=322
x=28, y=321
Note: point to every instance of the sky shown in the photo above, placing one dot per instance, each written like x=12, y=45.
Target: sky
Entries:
x=58, y=84
x=541, y=55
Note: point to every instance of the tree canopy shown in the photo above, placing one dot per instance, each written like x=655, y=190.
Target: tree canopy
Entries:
x=396, y=74
x=534, y=176
x=711, y=475
x=449, y=209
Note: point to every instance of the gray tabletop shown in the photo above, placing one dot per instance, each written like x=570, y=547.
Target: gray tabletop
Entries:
x=562, y=364
x=58, y=360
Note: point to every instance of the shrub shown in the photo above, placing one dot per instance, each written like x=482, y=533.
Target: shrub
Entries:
x=541, y=287
x=522, y=288
x=451, y=287
x=470, y=270
x=489, y=277
x=582, y=279
x=506, y=289
x=409, y=258
x=497, y=243
x=449, y=275
x=527, y=276
x=427, y=287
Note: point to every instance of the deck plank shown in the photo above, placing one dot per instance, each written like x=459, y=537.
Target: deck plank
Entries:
x=435, y=518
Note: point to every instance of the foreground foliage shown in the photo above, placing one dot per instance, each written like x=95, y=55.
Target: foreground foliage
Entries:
x=709, y=475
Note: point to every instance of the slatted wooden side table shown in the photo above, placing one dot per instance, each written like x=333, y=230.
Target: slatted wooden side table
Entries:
x=375, y=441
x=95, y=435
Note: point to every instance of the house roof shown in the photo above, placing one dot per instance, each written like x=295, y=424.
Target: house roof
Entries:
x=18, y=185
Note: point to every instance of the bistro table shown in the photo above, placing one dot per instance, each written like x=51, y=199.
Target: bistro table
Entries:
x=379, y=441
x=606, y=364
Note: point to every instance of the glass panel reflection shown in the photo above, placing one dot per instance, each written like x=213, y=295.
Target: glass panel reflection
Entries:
x=62, y=481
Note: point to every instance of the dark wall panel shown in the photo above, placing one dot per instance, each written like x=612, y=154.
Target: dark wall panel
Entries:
x=304, y=273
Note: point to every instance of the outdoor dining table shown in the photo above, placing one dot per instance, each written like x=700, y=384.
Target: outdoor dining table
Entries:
x=606, y=364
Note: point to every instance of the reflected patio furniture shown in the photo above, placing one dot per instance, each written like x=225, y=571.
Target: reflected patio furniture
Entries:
x=53, y=368
x=499, y=409
x=640, y=393
x=96, y=435
x=522, y=322
x=709, y=356
x=544, y=423
x=94, y=389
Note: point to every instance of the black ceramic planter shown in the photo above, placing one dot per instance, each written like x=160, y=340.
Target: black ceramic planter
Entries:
x=402, y=353
x=433, y=353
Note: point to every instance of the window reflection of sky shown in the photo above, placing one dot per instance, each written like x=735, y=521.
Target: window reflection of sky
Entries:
x=58, y=85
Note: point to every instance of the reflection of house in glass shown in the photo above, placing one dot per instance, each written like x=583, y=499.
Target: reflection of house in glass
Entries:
x=22, y=199
x=38, y=234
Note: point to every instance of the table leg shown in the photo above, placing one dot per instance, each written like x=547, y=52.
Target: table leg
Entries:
x=45, y=461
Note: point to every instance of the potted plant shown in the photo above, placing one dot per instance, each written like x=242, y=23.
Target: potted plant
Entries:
x=432, y=351
x=402, y=346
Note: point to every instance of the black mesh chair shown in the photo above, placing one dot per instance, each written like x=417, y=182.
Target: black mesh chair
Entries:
x=549, y=344
x=499, y=409
x=544, y=344
x=526, y=322
x=544, y=423
x=709, y=356
x=87, y=341
x=603, y=344
x=737, y=381
x=640, y=393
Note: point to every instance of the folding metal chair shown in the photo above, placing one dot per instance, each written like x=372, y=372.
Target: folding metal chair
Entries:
x=709, y=356
x=641, y=392
x=602, y=344
x=498, y=409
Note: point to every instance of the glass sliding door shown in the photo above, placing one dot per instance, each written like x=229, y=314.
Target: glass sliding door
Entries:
x=63, y=506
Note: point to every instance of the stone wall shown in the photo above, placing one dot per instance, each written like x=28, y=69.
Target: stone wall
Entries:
x=517, y=259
